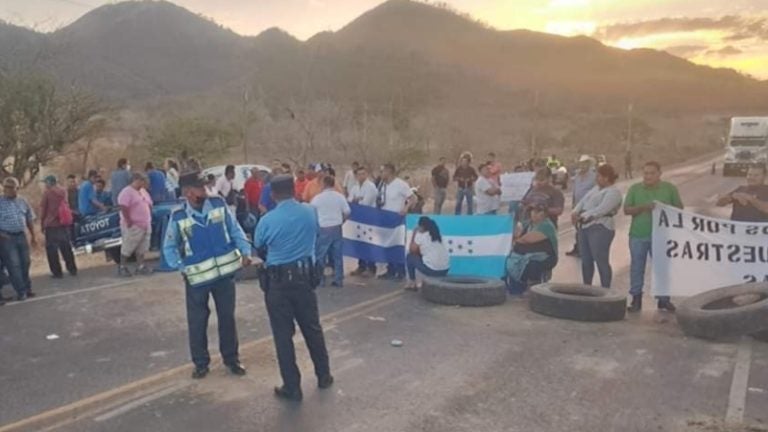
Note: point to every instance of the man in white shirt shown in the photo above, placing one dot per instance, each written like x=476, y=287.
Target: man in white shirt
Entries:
x=364, y=193
x=487, y=192
x=350, y=179
x=395, y=195
x=332, y=211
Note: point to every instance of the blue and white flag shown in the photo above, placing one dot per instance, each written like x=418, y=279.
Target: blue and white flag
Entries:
x=374, y=235
x=477, y=245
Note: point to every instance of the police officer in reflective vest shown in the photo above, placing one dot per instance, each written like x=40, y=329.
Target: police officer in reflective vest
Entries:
x=287, y=234
x=204, y=241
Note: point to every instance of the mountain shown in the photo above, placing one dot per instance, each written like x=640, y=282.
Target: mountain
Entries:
x=400, y=50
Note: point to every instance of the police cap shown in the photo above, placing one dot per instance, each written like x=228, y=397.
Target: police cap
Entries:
x=282, y=184
x=193, y=180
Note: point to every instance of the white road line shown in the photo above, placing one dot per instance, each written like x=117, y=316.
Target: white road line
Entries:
x=139, y=402
x=737, y=399
x=68, y=293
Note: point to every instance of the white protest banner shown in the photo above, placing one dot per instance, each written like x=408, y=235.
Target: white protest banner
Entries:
x=694, y=253
x=515, y=185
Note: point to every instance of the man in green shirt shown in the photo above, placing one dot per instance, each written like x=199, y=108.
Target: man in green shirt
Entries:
x=639, y=204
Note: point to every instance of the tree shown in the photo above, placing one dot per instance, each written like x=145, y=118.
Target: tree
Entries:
x=200, y=138
x=37, y=121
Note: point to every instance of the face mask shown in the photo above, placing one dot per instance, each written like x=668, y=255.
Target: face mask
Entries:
x=127, y=167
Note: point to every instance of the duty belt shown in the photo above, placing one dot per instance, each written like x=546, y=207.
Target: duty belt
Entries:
x=298, y=270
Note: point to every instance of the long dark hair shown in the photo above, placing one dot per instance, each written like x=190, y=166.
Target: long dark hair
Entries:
x=431, y=227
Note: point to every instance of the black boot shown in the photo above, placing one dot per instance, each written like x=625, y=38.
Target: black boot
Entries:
x=637, y=303
x=666, y=304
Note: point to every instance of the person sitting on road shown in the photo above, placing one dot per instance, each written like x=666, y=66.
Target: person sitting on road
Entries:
x=750, y=202
x=534, y=249
x=593, y=217
x=426, y=254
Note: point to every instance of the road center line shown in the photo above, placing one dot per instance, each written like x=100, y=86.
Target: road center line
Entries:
x=73, y=292
x=737, y=399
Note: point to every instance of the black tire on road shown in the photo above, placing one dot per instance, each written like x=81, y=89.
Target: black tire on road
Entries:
x=577, y=302
x=464, y=291
x=718, y=314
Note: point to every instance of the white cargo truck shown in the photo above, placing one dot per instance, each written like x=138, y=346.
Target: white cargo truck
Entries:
x=747, y=145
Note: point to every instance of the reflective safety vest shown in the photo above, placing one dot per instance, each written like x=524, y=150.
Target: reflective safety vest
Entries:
x=207, y=249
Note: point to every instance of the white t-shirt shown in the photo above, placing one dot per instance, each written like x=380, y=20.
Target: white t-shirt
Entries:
x=434, y=254
x=395, y=194
x=331, y=208
x=223, y=186
x=349, y=180
x=486, y=203
x=366, y=193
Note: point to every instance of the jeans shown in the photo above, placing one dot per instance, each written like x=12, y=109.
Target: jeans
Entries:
x=416, y=262
x=14, y=251
x=639, y=251
x=297, y=301
x=595, y=248
x=57, y=240
x=440, y=194
x=329, y=242
x=468, y=194
x=223, y=292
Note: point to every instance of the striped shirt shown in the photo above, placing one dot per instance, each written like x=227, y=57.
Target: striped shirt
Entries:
x=15, y=214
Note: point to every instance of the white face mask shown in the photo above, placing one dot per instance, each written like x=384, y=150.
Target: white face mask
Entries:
x=127, y=167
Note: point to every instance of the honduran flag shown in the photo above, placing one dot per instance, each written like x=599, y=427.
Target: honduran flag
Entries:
x=374, y=235
x=477, y=245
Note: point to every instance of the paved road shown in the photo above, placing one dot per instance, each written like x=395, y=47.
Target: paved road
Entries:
x=501, y=368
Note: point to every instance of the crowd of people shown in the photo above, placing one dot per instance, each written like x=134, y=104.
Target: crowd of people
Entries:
x=535, y=253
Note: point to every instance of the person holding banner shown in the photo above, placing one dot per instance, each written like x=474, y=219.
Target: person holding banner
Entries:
x=487, y=191
x=594, y=216
x=364, y=193
x=426, y=254
x=395, y=195
x=750, y=202
x=639, y=203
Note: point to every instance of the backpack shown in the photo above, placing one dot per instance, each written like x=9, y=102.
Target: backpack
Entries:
x=65, y=214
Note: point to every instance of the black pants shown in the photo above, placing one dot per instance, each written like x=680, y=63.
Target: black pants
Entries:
x=535, y=270
x=57, y=240
x=287, y=302
x=223, y=293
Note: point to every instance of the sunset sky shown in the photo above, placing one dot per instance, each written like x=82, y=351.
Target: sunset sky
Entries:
x=731, y=33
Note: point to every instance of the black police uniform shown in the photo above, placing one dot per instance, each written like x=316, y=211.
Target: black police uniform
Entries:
x=286, y=238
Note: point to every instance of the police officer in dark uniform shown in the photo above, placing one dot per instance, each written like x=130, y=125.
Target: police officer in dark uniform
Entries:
x=286, y=236
x=207, y=244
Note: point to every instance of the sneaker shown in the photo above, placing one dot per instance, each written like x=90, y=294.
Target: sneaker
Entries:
x=572, y=253
x=123, y=271
x=386, y=276
x=30, y=294
x=337, y=284
x=144, y=271
x=358, y=272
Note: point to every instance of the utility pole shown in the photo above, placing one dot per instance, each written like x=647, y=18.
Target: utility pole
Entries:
x=535, y=122
x=245, y=124
x=629, y=127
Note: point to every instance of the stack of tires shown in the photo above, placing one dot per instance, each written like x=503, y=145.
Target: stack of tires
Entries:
x=727, y=312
